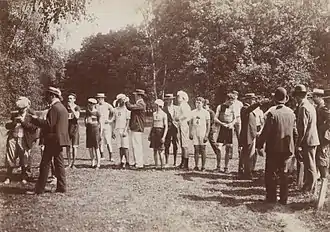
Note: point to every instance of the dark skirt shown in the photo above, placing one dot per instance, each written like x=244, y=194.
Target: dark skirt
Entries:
x=93, y=137
x=225, y=135
x=155, y=138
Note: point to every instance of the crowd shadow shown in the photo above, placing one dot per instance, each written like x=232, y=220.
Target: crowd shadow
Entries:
x=188, y=176
x=12, y=190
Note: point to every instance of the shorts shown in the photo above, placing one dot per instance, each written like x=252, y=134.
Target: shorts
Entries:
x=92, y=136
x=198, y=137
x=74, y=135
x=184, y=135
x=323, y=155
x=155, y=138
x=225, y=135
x=106, y=135
x=122, y=142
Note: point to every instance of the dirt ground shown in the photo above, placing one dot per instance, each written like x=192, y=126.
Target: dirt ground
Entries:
x=151, y=200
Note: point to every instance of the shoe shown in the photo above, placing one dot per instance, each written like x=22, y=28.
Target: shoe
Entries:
x=7, y=181
x=203, y=169
x=60, y=191
x=196, y=169
x=225, y=170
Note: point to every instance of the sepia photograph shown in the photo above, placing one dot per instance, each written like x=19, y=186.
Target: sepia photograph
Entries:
x=164, y=115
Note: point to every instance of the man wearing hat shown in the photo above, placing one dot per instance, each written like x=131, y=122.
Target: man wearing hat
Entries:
x=21, y=135
x=308, y=138
x=172, y=134
x=136, y=125
x=107, y=116
x=323, y=126
x=248, y=135
x=56, y=137
x=278, y=134
x=74, y=114
x=121, y=126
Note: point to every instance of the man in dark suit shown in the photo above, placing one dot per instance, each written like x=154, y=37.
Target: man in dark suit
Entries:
x=56, y=137
x=21, y=136
x=323, y=127
x=308, y=138
x=172, y=134
x=278, y=134
x=136, y=125
x=248, y=135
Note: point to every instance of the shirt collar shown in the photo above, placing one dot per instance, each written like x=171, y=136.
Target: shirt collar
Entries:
x=55, y=100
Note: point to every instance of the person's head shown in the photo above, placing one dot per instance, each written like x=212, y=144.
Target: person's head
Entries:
x=22, y=104
x=327, y=101
x=250, y=98
x=317, y=96
x=300, y=93
x=91, y=103
x=159, y=103
x=199, y=102
x=206, y=104
x=230, y=99
x=169, y=98
x=120, y=100
x=281, y=96
x=100, y=97
x=53, y=93
x=139, y=94
x=235, y=94
x=72, y=98
x=182, y=97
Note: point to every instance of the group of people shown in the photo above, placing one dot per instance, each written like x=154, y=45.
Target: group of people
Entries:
x=245, y=129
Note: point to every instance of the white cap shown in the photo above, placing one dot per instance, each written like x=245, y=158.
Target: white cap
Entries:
x=121, y=96
x=92, y=100
x=184, y=95
x=22, y=102
x=159, y=102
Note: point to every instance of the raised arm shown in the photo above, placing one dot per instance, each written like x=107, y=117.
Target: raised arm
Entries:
x=137, y=106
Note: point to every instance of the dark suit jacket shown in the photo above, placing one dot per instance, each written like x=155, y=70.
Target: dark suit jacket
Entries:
x=55, y=127
x=249, y=125
x=323, y=122
x=279, y=131
x=138, y=117
x=306, y=125
x=30, y=130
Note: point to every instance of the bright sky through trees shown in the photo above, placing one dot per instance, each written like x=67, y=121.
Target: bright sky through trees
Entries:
x=107, y=14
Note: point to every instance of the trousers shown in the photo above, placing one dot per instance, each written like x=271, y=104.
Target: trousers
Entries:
x=56, y=153
x=248, y=152
x=137, y=145
x=310, y=171
x=277, y=165
x=16, y=148
x=171, y=137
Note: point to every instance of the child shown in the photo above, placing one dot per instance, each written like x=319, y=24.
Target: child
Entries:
x=199, y=131
x=158, y=132
x=121, y=122
x=93, y=128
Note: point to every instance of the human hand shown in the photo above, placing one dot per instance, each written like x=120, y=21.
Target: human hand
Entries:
x=205, y=139
x=162, y=140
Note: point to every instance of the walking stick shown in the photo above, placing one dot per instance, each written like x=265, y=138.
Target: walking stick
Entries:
x=323, y=193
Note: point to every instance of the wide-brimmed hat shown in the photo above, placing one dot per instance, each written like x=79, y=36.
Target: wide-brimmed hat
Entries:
x=100, y=95
x=92, y=100
x=183, y=94
x=22, y=102
x=169, y=96
x=281, y=95
x=300, y=89
x=159, y=102
x=318, y=92
x=120, y=96
x=55, y=91
x=140, y=92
